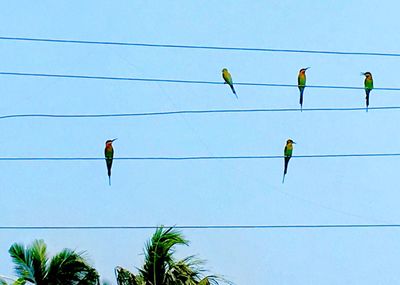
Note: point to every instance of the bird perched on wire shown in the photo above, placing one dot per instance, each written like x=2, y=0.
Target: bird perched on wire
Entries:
x=287, y=153
x=228, y=80
x=301, y=83
x=368, y=86
x=109, y=155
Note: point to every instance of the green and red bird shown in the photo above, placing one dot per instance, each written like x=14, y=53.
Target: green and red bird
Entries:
x=368, y=86
x=109, y=155
x=228, y=80
x=301, y=84
x=287, y=153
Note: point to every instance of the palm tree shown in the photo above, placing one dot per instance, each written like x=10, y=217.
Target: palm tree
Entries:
x=32, y=265
x=160, y=267
x=15, y=282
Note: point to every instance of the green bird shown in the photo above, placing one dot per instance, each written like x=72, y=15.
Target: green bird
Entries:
x=301, y=84
x=368, y=86
x=228, y=80
x=109, y=155
x=287, y=153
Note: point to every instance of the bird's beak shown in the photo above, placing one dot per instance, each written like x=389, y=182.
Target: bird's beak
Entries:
x=362, y=73
x=307, y=68
x=293, y=143
x=114, y=139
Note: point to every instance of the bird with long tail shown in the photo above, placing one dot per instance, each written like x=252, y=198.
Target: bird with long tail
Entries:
x=228, y=80
x=368, y=86
x=301, y=84
x=109, y=155
x=287, y=153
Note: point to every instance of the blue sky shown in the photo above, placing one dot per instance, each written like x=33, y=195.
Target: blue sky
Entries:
x=316, y=191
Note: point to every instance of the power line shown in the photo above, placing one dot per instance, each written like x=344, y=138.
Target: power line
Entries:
x=201, y=47
x=71, y=76
x=167, y=113
x=204, y=227
x=177, y=158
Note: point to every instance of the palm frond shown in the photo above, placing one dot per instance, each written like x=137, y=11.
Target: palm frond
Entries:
x=161, y=268
x=69, y=267
x=204, y=281
x=22, y=260
x=159, y=253
x=125, y=277
x=20, y=281
x=38, y=254
x=190, y=270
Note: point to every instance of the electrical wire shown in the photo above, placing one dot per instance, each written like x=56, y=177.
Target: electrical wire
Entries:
x=201, y=47
x=179, y=81
x=177, y=158
x=204, y=227
x=167, y=113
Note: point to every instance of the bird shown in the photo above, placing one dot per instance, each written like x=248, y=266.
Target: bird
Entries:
x=368, y=85
x=301, y=83
x=228, y=80
x=109, y=155
x=287, y=153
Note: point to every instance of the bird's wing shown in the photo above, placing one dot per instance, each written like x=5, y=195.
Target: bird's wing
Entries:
x=368, y=83
x=109, y=153
x=228, y=78
x=301, y=81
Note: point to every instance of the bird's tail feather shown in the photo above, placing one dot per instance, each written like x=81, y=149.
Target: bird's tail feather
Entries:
x=233, y=90
x=367, y=98
x=109, y=165
x=286, y=164
x=287, y=158
x=301, y=98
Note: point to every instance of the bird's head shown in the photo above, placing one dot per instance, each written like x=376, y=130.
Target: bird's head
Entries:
x=224, y=70
x=290, y=141
x=366, y=74
x=109, y=142
x=303, y=70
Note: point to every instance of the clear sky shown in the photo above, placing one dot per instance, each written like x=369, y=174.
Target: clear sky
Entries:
x=316, y=191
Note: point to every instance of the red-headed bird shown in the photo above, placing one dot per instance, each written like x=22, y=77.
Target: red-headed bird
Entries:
x=301, y=84
x=287, y=153
x=368, y=86
x=109, y=155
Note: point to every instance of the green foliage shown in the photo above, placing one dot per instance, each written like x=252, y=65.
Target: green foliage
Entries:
x=124, y=277
x=67, y=267
x=161, y=268
x=17, y=282
x=158, y=255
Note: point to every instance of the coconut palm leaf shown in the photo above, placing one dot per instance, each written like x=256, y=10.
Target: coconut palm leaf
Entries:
x=159, y=254
x=22, y=259
x=161, y=268
x=16, y=282
x=67, y=267
x=125, y=277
